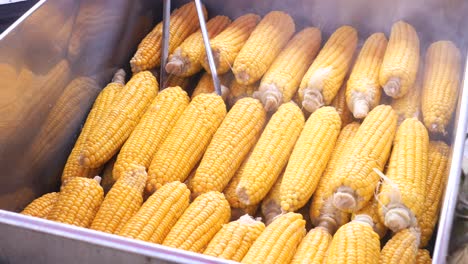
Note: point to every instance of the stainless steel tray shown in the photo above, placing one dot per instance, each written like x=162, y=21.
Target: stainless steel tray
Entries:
x=51, y=45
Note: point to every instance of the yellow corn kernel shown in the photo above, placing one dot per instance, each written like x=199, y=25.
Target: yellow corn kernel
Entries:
x=423, y=257
x=309, y=158
x=339, y=102
x=436, y=180
x=401, y=198
x=185, y=61
x=234, y=239
x=227, y=45
x=271, y=204
x=355, y=180
x=41, y=206
x=363, y=89
x=104, y=101
x=237, y=207
x=78, y=202
x=158, y=214
x=270, y=154
x=119, y=120
x=205, y=85
x=313, y=248
x=372, y=210
x=325, y=76
x=262, y=47
x=355, y=242
x=279, y=241
x=321, y=207
x=401, y=248
x=238, y=91
x=401, y=60
x=152, y=129
x=173, y=81
x=122, y=202
x=187, y=141
x=199, y=223
x=183, y=22
x=282, y=79
x=441, y=80
x=409, y=105
x=231, y=143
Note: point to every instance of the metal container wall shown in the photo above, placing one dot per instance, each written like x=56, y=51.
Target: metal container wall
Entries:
x=58, y=41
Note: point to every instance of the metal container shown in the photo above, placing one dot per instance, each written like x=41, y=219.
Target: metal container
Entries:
x=59, y=40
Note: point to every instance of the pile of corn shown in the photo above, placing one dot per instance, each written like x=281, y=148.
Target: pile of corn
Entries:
x=191, y=175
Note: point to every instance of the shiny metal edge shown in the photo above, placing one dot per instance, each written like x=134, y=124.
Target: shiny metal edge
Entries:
x=100, y=239
x=447, y=212
x=165, y=42
x=22, y=18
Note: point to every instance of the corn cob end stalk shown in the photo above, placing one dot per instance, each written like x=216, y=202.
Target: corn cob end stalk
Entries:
x=392, y=87
x=177, y=63
x=119, y=77
x=313, y=99
x=345, y=199
x=270, y=96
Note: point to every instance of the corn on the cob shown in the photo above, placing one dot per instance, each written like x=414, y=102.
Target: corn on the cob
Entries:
x=401, y=248
x=409, y=105
x=187, y=141
x=282, y=79
x=262, y=47
x=238, y=91
x=279, y=241
x=234, y=239
x=41, y=206
x=230, y=191
x=423, y=257
x=401, y=60
x=152, y=129
x=119, y=120
x=231, y=143
x=78, y=202
x=437, y=174
x=441, y=80
x=104, y=101
x=326, y=74
x=309, y=158
x=321, y=207
x=227, y=45
x=355, y=180
x=158, y=214
x=270, y=154
x=199, y=223
x=402, y=196
x=183, y=22
x=185, y=61
x=363, y=89
x=122, y=201
x=271, y=204
x=313, y=248
x=372, y=210
x=355, y=242
x=205, y=85
x=339, y=102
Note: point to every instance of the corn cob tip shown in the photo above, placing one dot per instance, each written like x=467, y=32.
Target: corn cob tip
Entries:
x=360, y=108
x=119, y=76
x=345, y=199
x=224, y=92
x=243, y=196
x=392, y=87
x=363, y=218
x=97, y=179
x=242, y=77
x=313, y=99
x=271, y=209
x=270, y=96
x=398, y=219
x=176, y=64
